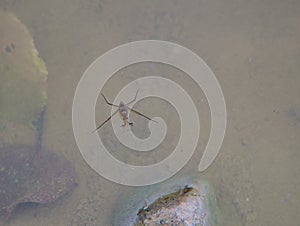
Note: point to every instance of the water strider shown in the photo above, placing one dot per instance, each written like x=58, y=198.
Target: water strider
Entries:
x=123, y=109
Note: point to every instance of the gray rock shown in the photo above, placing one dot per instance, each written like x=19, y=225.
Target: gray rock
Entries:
x=186, y=201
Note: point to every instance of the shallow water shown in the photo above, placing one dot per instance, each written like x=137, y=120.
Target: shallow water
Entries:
x=253, y=49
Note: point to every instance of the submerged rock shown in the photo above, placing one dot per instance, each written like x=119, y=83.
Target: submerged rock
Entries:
x=30, y=176
x=188, y=201
x=23, y=76
x=27, y=173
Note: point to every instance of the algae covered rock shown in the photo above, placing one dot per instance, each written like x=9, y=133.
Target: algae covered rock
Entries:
x=23, y=78
x=186, y=201
x=27, y=173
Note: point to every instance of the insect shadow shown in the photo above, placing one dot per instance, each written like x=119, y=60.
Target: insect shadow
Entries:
x=123, y=109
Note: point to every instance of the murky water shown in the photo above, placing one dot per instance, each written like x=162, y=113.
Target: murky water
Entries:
x=253, y=49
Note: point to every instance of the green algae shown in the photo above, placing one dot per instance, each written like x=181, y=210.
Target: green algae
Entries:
x=23, y=77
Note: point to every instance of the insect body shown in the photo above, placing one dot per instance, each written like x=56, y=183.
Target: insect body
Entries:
x=123, y=109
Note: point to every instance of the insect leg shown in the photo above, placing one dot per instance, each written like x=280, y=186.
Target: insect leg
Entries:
x=108, y=101
x=134, y=98
x=142, y=114
x=105, y=121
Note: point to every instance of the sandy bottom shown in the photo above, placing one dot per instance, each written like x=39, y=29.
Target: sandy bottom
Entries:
x=253, y=49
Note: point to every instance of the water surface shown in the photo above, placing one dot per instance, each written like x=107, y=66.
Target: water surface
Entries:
x=253, y=49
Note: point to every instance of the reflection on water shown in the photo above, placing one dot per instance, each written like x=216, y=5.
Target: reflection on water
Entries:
x=252, y=47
